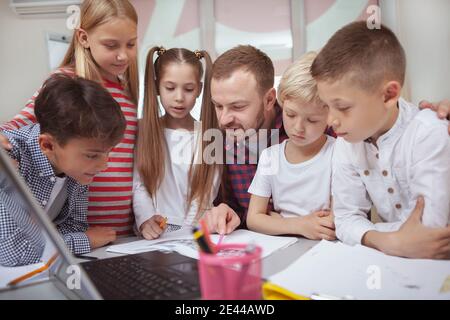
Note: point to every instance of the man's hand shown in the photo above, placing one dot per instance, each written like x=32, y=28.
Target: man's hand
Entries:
x=442, y=109
x=222, y=219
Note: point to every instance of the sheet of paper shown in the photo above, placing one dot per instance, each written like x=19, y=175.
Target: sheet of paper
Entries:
x=181, y=241
x=185, y=233
x=359, y=272
x=10, y=273
x=269, y=244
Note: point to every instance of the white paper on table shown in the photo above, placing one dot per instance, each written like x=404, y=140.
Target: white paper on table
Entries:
x=269, y=244
x=360, y=272
x=185, y=233
x=182, y=242
x=9, y=274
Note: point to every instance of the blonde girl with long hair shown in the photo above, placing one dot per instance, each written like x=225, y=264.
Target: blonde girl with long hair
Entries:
x=104, y=49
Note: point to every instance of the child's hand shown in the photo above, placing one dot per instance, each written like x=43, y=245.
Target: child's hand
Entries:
x=4, y=143
x=151, y=229
x=316, y=226
x=100, y=236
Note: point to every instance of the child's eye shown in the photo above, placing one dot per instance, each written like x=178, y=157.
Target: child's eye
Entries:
x=289, y=115
x=92, y=156
x=344, y=109
x=131, y=45
x=170, y=89
x=189, y=90
x=312, y=121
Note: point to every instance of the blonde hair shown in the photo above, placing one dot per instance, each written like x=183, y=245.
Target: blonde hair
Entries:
x=297, y=82
x=93, y=14
x=151, y=142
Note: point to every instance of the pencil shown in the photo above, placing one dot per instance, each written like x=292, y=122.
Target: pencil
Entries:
x=199, y=237
x=205, y=230
x=163, y=223
x=34, y=272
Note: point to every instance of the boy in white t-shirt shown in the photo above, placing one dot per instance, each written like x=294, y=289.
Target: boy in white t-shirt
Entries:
x=297, y=172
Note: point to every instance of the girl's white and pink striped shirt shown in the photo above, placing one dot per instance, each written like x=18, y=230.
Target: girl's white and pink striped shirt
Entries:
x=110, y=194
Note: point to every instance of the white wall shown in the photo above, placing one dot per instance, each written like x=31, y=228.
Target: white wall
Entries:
x=23, y=57
x=423, y=27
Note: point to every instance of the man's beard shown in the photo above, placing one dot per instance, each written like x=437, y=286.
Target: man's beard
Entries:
x=237, y=132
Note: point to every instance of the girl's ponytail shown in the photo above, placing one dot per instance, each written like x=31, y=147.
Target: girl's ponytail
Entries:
x=201, y=175
x=151, y=142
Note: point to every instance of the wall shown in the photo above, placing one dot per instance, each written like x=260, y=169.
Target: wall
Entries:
x=422, y=26
x=23, y=57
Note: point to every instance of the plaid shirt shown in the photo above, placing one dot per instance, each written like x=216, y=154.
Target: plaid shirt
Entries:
x=240, y=169
x=19, y=245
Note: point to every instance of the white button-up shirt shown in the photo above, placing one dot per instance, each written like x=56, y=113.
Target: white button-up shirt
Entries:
x=412, y=159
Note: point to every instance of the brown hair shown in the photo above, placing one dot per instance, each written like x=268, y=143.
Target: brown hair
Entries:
x=93, y=14
x=68, y=108
x=367, y=56
x=247, y=58
x=151, y=142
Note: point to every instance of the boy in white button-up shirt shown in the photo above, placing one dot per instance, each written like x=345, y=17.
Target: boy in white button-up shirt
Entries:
x=388, y=153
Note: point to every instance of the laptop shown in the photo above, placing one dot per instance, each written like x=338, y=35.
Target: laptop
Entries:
x=149, y=275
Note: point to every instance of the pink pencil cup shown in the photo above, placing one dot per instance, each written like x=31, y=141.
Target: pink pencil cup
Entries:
x=231, y=274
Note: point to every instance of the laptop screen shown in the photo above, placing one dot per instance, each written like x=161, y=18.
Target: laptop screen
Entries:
x=32, y=250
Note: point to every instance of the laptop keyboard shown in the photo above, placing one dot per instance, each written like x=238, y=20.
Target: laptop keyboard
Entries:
x=131, y=277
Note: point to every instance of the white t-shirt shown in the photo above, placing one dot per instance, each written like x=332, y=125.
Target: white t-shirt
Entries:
x=296, y=189
x=171, y=197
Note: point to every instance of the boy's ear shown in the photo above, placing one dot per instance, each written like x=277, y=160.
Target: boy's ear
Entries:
x=391, y=93
x=47, y=143
x=269, y=99
x=83, y=38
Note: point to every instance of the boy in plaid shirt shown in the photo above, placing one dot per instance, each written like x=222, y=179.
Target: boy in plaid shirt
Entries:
x=78, y=125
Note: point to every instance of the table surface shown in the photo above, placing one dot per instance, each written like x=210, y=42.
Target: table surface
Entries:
x=272, y=264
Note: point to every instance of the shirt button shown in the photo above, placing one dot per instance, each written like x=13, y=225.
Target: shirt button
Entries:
x=52, y=179
x=377, y=156
x=366, y=172
x=390, y=190
x=41, y=174
x=44, y=202
x=385, y=173
x=398, y=206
